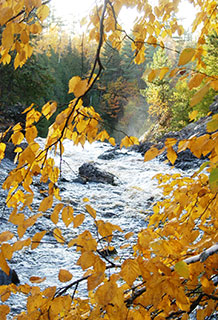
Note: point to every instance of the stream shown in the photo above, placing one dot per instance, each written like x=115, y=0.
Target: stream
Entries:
x=125, y=204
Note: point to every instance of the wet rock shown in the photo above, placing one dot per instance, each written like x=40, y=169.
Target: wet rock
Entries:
x=110, y=154
x=90, y=172
x=8, y=279
x=185, y=159
x=142, y=147
x=10, y=147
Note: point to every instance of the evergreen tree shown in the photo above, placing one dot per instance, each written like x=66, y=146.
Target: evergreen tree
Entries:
x=159, y=91
x=111, y=98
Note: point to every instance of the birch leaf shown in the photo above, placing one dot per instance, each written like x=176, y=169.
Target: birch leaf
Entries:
x=186, y=56
x=64, y=275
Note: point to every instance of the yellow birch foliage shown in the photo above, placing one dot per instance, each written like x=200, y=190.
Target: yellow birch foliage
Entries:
x=17, y=20
x=172, y=264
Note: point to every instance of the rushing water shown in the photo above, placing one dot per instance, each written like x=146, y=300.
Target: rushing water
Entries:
x=125, y=204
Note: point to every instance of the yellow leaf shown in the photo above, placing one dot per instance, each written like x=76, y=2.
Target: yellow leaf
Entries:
x=17, y=138
x=42, y=12
x=94, y=280
x=86, y=260
x=48, y=109
x=4, y=310
x=192, y=115
x=34, y=279
x=108, y=293
x=163, y=71
x=8, y=36
x=85, y=199
x=73, y=82
x=77, y=86
x=91, y=211
x=128, y=141
x=196, y=80
x=151, y=154
x=102, y=135
x=5, y=14
x=152, y=75
x=78, y=220
x=173, y=72
x=182, y=269
x=5, y=236
x=64, y=275
x=46, y=203
x=24, y=36
x=112, y=141
x=171, y=155
x=58, y=235
x=7, y=251
x=181, y=300
x=37, y=238
x=81, y=125
x=199, y=95
x=3, y=264
x=55, y=214
x=129, y=234
x=35, y=28
x=213, y=84
x=99, y=274
x=130, y=271
x=2, y=150
x=186, y=56
x=85, y=242
x=205, y=282
x=31, y=134
x=60, y=308
x=170, y=142
x=67, y=215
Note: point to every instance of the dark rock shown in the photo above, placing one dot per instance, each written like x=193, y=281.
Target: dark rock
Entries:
x=185, y=159
x=109, y=155
x=142, y=147
x=8, y=279
x=10, y=147
x=90, y=172
x=11, y=115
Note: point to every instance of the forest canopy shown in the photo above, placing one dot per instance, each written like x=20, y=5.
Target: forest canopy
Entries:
x=171, y=270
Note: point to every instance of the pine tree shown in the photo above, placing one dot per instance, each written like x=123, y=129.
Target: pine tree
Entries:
x=158, y=92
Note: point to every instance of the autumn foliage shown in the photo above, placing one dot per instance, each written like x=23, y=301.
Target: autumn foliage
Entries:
x=172, y=269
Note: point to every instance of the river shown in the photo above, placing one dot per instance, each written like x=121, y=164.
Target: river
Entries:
x=125, y=204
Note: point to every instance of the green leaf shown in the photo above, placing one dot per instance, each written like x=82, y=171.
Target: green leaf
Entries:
x=213, y=180
x=213, y=124
x=182, y=269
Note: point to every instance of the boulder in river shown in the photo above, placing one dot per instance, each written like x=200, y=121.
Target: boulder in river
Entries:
x=90, y=172
x=8, y=279
x=111, y=154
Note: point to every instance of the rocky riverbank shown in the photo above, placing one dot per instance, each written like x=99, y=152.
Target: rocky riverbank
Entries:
x=185, y=160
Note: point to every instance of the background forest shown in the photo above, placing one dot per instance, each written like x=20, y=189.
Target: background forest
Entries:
x=127, y=100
